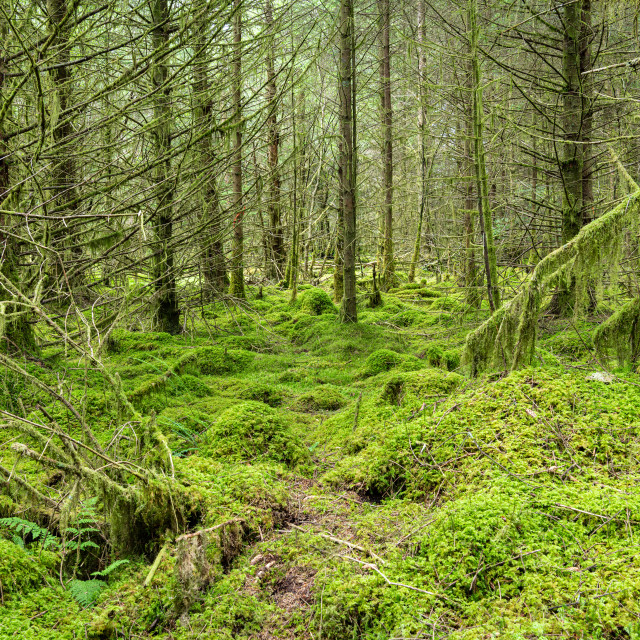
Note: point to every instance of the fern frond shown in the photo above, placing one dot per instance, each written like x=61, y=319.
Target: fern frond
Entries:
x=86, y=592
x=110, y=569
x=26, y=527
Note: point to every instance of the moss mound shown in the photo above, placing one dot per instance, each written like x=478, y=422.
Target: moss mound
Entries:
x=215, y=361
x=419, y=386
x=316, y=301
x=254, y=431
x=380, y=361
x=570, y=343
x=438, y=356
x=21, y=571
x=320, y=399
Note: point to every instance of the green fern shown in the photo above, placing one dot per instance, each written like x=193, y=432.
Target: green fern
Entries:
x=110, y=569
x=86, y=592
x=25, y=528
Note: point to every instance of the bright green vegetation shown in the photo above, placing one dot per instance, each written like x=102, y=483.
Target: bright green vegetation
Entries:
x=367, y=487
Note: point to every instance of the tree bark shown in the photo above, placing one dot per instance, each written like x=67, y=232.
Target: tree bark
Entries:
x=212, y=257
x=484, y=206
x=236, y=288
x=338, y=258
x=388, y=266
x=275, y=269
x=473, y=293
x=348, y=312
x=167, y=313
x=422, y=127
x=63, y=186
x=16, y=333
x=588, y=165
x=571, y=163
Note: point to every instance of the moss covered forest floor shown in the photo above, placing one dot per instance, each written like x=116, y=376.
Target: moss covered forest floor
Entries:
x=371, y=489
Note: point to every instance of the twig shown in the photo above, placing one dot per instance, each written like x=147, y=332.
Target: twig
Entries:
x=155, y=565
x=634, y=64
x=368, y=565
x=186, y=536
x=326, y=536
x=426, y=524
x=588, y=513
x=357, y=414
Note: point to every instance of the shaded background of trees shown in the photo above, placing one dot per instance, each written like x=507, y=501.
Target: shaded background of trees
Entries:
x=158, y=155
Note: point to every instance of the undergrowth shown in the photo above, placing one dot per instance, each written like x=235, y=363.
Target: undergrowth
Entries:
x=343, y=482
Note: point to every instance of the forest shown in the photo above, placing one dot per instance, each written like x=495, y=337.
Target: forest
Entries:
x=319, y=320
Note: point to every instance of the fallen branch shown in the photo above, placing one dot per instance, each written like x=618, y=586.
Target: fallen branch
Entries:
x=326, y=536
x=155, y=565
x=186, y=536
x=368, y=565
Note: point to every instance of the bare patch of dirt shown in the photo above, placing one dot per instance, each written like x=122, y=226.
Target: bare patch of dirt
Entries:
x=294, y=590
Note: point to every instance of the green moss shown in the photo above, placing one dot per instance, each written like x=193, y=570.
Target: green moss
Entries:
x=316, y=301
x=320, y=399
x=570, y=343
x=129, y=341
x=21, y=571
x=438, y=356
x=380, y=361
x=407, y=318
x=255, y=431
x=214, y=361
x=418, y=386
x=409, y=292
x=258, y=344
x=221, y=490
x=258, y=391
x=293, y=376
x=447, y=304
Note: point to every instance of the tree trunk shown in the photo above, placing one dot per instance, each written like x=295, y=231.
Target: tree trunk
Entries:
x=16, y=333
x=484, y=207
x=276, y=266
x=236, y=288
x=473, y=293
x=167, y=313
x=212, y=250
x=388, y=266
x=338, y=259
x=588, y=164
x=572, y=153
x=422, y=127
x=348, y=312
x=63, y=173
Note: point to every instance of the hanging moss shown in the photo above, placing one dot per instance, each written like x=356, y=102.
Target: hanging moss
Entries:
x=508, y=338
x=621, y=332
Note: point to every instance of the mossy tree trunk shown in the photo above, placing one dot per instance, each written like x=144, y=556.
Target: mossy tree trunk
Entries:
x=386, y=118
x=338, y=273
x=63, y=239
x=166, y=310
x=294, y=258
x=348, y=311
x=236, y=288
x=572, y=159
x=212, y=258
x=422, y=128
x=588, y=164
x=471, y=276
x=16, y=333
x=484, y=205
x=276, y=266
